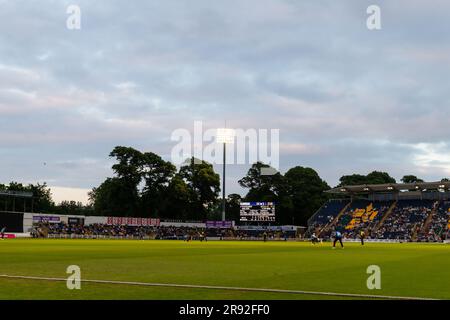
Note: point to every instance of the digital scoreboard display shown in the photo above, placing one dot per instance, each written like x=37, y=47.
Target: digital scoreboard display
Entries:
x=257, y=212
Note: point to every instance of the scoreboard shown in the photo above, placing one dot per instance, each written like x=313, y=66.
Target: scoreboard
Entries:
x=257, y=212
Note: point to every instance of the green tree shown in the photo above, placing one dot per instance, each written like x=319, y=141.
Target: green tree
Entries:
x=73, y=208
x=41, y=202
x=176, y=203
x=268, y=188
x=157, y=175
x=375, y=177
x=262, y=187
x=411, y=179
x=306, y=191
x=233, y=206
x=128, y=170
x=42, y=197
x=111, y=198
x=378, y=177
x=353, y=180
x=204, y=185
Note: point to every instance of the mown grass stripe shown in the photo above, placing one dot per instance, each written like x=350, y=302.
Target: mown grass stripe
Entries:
x=193, y=286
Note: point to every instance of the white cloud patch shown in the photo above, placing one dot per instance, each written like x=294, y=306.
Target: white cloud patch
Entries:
x=69, y=194
x=433, y=156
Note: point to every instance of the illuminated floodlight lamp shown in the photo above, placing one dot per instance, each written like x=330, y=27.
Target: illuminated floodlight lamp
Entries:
x=225, y=135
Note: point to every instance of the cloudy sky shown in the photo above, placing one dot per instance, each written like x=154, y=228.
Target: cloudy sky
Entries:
x=346, y=99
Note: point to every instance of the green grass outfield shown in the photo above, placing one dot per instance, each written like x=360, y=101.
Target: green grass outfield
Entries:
x=413, y=270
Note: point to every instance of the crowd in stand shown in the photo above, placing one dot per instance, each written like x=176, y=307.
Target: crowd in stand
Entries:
x=127, y=231
x=366, y=224
x=406, y=221
x=153, y=232
x=327, y=213
x=410, y=220
x=438, y=227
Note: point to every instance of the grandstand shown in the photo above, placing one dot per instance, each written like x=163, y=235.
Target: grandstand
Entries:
x=406, y=220
x=327, y=214
x=362, y=215
x=403, y=212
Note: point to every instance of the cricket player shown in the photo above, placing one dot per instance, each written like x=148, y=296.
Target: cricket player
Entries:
x=314, y=239
x=338, y=237
x=362, y=236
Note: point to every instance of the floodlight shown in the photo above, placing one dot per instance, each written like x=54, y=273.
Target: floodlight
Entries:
x=225, y=135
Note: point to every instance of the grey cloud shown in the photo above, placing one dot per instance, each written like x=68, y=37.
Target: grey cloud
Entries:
x=346, y=99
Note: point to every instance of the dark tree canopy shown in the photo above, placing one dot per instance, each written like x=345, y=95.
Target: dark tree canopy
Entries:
x=375, y=177
x=146, y=185
x=157, y=175
x=352, y=180
x=42, y=198
x=112, y=198
x=262, y=187
x=411, y=179
x=298, y=194
x=233, y=206
x=204, y=186
x=306, y=191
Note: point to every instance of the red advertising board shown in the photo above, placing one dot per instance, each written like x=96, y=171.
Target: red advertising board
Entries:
x=132, y=221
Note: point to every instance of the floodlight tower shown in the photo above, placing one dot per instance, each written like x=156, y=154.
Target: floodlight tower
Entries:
x=225, y=136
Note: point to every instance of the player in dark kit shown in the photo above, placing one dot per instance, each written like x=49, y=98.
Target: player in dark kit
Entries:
x=314, y=239
x=338, y=237
x=265, y=236
x=362, y=236
x=2, y=233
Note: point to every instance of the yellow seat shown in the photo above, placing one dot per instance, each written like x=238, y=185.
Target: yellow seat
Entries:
x=373, y=215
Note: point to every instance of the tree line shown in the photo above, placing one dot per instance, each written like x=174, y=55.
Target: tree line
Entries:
x=41, y=200
x=145, y=185
x=377, y=177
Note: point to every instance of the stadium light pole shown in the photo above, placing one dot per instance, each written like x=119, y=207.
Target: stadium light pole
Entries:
x=224, y=136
